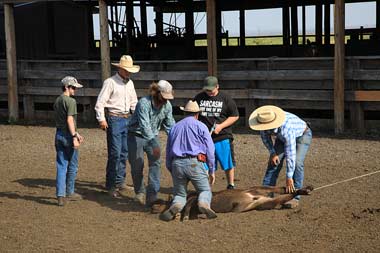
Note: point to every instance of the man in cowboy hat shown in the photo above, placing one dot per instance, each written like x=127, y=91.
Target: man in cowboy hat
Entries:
x=189, y=146
x=152, y=112
x=67, y=141
x=219, y=112
x=293, y=138
x=116, y=102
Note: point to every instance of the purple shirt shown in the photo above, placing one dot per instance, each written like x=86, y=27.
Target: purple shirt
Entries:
x=189, y=137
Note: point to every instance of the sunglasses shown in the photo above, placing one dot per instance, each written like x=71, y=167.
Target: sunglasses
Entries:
x=73, y=87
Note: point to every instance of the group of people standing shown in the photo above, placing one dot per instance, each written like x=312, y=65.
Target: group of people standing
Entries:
x=194, y=146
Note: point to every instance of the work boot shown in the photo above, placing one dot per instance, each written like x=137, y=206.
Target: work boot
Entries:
x=140, y=198
x=124, y=187
x=205, y=209
x=291, y=204
x=74, y=197
x=61, y=201
x=171, y=213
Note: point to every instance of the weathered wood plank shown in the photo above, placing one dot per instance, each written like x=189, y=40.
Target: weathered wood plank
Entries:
x=104, y=40
x=277, y=75
x=366, y=75
x=339, y=66
x=357, y=117
x=28, y=102
x=193, y=75
x=211, y=37
x=363, y=95
x=10, y=41
x=301, y=95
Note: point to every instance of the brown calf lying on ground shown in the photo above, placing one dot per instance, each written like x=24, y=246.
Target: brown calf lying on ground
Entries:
x=236, y=200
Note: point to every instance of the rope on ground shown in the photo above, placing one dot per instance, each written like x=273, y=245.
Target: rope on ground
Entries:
x=346, y=180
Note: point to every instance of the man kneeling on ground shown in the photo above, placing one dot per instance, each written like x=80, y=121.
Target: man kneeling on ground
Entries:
x=189, y=146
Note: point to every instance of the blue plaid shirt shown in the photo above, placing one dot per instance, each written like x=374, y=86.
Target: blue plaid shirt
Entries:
x=292, y=128
x=147, y=120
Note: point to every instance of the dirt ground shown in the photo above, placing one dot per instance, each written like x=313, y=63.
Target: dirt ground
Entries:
x=343, y=218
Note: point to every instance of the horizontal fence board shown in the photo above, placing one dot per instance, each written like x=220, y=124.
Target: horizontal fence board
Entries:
x=309, y=95
x=277, y=75
x=291, y=85
x=294, y=104
x=364, y=95
x=269, y=94
x=366, y=75
x=296, y=75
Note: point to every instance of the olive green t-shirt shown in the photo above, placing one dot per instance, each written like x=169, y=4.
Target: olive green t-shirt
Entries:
x=65, y=106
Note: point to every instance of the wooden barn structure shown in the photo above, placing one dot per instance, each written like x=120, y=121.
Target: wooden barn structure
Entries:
x=333, y=81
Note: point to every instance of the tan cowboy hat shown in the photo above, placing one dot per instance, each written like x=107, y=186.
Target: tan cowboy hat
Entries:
x=266, y=117
x=191, y=106
x=126, y=63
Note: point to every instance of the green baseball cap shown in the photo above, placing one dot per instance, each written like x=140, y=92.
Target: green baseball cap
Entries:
x=210, y=83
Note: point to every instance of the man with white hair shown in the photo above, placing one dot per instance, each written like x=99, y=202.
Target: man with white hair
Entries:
x=152, y=112
x=116, y=102
x=293, y=139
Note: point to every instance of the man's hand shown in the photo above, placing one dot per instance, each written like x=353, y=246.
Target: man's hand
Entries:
x=156, y=152
x=274, y=160
x=218, y=129
x=103, y=125
x=80, y=138
x=290, y=185
x=211, y=178
x=76, y=143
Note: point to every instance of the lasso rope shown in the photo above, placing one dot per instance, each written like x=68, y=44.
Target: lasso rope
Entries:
x=346, y=180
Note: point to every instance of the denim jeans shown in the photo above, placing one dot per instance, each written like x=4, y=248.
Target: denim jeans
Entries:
x=303, y=143
x=190, y=169
x=137, y=146
x=117, y=134
x=66, y=162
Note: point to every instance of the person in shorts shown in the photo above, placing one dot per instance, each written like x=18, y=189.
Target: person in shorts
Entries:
x=219, y=112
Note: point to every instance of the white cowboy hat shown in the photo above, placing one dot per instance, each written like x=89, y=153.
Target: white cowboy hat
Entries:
x=191, y=106
x=266, y=117
x=126, y=63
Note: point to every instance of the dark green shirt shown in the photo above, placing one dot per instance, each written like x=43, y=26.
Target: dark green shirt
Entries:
x=65, y=106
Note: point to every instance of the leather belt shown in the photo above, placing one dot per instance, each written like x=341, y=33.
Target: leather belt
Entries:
x=186, y=156
x=135, y=134
x=120, y=115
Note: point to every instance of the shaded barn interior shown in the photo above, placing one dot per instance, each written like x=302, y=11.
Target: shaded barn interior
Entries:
x=64, y=30
x=56, y=38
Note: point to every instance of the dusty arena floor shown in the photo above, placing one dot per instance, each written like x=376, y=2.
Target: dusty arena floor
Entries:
x=342, y=218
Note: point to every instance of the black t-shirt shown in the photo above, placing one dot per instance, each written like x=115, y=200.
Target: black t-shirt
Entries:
x=216, y=110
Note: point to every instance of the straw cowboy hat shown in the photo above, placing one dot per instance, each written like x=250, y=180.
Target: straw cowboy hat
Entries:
x=191, y=106
x=266, y=117
x=126, y=63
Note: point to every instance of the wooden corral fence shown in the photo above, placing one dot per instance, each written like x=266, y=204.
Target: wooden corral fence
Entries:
x=301, y=85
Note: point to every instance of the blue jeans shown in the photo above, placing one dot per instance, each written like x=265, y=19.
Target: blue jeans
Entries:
x=303, y=143
x=117, y=134
x=66, y=162
x=190, y=169
x=137, y=146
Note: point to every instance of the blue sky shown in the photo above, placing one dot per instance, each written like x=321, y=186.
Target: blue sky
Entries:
x=264, y=22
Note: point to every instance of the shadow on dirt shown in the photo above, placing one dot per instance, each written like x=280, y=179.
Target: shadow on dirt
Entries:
x=91, y=191
x=38, y=199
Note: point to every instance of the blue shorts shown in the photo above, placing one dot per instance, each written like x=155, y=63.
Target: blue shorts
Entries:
x=224, y=154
